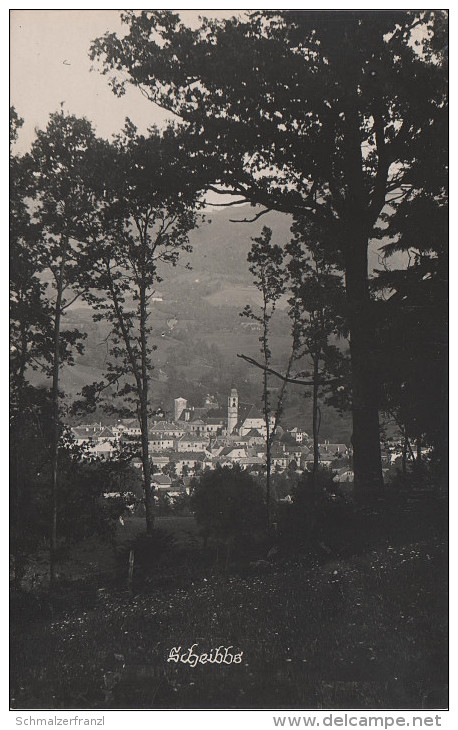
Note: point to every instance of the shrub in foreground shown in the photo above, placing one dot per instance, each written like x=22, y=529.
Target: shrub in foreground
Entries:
x=319, y=513
x=229, y=505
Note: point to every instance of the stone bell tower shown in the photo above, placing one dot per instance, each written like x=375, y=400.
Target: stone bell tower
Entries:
x=232, y=410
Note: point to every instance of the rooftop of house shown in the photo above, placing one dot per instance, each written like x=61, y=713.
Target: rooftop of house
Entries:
x=161, y=479
x=106, y=432
x=229, y=449
x=94, y=430
x=190, y=438
x=332, y=448
x=200, y=411
x=297, y=448
x=165, y=426
x=250, y=413
x=187, y=456
x=241, y=440
x=253, y=413
x=128, y=437
x=253, y=433
x=216, y=444
x=84, y=431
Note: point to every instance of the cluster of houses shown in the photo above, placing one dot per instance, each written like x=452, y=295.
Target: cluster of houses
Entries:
x=201, y=438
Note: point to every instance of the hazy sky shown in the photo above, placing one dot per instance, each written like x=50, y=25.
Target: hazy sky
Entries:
x=50, y=64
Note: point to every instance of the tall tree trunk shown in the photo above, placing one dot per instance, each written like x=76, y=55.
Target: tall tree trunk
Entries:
x=19, y=498
x=316, y=449
x=17, y=501
x=367, y=463
x=141, y=383
x=268, y=485
x=149, y=492
x=265, y=395
x=404, y=455
x=418, y=456
x=55, y=433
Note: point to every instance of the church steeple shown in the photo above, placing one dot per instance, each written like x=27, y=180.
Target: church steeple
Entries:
x=232, y=410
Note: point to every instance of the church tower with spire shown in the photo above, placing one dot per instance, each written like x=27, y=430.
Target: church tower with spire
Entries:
x=232, y=410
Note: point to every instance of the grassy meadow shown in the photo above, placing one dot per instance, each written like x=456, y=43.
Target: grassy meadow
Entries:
x=365, y=628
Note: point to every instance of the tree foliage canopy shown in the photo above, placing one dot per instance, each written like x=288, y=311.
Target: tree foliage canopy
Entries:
x=326, y=116
x=306, y=79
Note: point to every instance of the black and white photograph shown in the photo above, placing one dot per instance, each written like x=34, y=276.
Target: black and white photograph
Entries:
x=228, y=376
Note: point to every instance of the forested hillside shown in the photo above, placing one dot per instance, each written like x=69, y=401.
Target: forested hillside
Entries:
x=197, y=325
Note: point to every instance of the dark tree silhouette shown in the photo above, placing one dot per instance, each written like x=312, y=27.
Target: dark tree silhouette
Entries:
x=61, y=164
x=317, y=308
x=147, y=211
x=321, y=115
x=269, y=274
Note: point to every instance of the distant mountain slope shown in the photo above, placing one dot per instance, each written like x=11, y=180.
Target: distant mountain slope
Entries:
x=196, y=324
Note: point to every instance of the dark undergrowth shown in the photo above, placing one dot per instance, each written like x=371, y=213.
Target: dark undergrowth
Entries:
x=355, y=619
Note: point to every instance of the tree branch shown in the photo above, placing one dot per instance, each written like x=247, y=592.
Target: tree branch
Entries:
x=68, y=304
x=285, y=378
x=229, y=191
x=228, y=205
x=251, y=220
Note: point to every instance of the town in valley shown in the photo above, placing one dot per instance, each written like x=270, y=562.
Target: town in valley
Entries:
x=194, y=440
